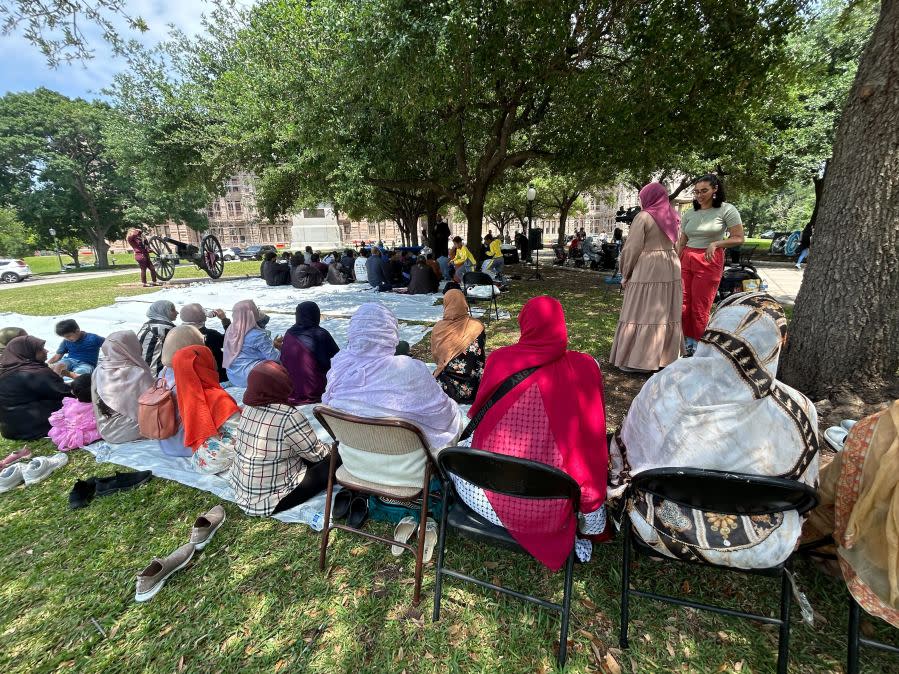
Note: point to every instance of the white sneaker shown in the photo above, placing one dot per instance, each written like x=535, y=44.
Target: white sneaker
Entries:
x=40, y=467
x=798, y=266
x=11, y=477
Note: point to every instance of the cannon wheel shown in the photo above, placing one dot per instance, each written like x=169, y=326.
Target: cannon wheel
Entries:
x=211, y=257
x=159, y=250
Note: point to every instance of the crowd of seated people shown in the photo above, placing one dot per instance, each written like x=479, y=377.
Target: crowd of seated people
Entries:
x=727, y=394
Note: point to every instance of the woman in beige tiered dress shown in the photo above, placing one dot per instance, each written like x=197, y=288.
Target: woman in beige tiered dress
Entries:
x=649, y=328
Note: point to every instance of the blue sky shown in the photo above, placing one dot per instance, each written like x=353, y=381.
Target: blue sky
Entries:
x=24, y=67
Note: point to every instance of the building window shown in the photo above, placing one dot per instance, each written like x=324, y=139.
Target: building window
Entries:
x=313, y=212
x=371, y=229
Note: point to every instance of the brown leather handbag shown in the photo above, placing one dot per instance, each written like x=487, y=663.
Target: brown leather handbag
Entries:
x=157, y=414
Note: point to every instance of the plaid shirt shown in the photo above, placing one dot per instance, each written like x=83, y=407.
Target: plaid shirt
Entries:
x=274, y=442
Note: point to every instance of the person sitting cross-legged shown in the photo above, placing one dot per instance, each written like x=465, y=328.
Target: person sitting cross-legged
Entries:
x=279, y=461
x=209, y=415
x=246, y=344
x=304, y=274
x=274, y=272
x=161, y=317
x=423, y=281
x=29, y=390
x=121, y=377
x=457, y=343
x=306, y=354
x=193, y=314
x=78, y=352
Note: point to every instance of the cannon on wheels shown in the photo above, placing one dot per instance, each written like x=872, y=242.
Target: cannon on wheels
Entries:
x=165, y=253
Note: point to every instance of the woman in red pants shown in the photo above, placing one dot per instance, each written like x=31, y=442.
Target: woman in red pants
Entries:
x=711, y=226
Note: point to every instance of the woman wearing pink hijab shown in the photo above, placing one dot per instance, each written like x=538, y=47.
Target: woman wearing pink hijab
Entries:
x=649, y=333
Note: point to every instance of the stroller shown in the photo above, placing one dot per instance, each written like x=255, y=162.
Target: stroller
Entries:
x=739, y=269
x=608, y=257
x=561, y=254
x=592, y=253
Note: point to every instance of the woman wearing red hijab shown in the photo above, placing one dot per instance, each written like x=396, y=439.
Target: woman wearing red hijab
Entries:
x=555, y=416
x=208, y=413
x=649, y=328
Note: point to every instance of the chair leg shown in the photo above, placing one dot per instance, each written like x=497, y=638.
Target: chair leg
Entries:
x=420, y=548
x=441, y=546
x=566, y=610
x=783, y=642
x=329, y=496
x=625, y=579
x=852, y=658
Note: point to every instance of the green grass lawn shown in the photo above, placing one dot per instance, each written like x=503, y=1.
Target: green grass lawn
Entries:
x=764, y=245
x=49, y=264
x=81, y=294
x=254, y=600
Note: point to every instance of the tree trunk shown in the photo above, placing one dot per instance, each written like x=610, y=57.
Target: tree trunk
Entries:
x=845, y=329
x=474, y=212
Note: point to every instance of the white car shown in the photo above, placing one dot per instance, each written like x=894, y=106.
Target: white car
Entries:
x=13, y=271
x=230, y=253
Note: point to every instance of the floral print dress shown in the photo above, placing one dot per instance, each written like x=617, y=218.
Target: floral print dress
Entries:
x=462, y=375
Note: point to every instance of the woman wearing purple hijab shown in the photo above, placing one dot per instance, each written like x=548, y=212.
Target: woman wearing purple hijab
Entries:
x=649, y=333
x=306, y=354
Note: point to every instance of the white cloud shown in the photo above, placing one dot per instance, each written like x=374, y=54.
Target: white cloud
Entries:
x=24, y=67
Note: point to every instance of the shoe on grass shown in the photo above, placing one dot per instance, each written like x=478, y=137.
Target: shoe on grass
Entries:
x=23, y=453
x=11, y=477
x=82, y=493
x=122, y=482
x=40, y=467
x=152, y=578
x=206, y=525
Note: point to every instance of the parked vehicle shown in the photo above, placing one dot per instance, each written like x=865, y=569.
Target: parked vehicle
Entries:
x=13, y=271
x=232, y=253
x=255, y=252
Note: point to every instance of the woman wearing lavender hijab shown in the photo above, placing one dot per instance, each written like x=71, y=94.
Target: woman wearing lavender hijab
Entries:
x=649, y=333
x=367, y=379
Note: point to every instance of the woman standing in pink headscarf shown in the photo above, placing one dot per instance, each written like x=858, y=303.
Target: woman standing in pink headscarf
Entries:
x=649, y=333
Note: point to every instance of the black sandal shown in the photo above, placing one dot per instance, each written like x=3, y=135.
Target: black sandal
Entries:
x=358, y=512
x=341, y=505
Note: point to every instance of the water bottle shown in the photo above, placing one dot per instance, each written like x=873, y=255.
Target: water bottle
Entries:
x=763, y=286
x=318, y=521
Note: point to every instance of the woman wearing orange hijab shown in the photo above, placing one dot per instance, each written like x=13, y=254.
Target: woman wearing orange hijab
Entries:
x=457, y=344
x=208, y=413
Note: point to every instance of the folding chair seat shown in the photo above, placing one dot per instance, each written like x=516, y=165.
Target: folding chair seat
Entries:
x=509, y=476
x=386, y=437
x=479, y=278
x=722, y=493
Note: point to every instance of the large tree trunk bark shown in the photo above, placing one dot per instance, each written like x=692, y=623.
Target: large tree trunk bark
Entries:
x=845, y=330
x=474, y=212
x=432, y=209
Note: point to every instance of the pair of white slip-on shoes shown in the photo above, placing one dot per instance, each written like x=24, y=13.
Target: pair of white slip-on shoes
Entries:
x=36, y=470
x=836, y=435
x=408, y=526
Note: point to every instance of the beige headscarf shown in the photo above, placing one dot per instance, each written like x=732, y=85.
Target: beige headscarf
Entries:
x=867, y=513
x=177, y=339
x=455, y=332
x=122, y=375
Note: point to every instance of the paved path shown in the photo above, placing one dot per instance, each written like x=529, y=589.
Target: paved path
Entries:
x=783, y=282
x=64, y=278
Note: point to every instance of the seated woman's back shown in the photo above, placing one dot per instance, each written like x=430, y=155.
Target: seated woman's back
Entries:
x=246, y=344
x=306, y=353
x=723, y=409
x=554, y=416
x=368, y=380
x=121, y=377
x=457, y=344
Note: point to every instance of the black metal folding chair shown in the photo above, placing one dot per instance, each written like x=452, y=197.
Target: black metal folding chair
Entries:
x=479, y=278
x=722, y=493
x=513, y=477
x=856, y=640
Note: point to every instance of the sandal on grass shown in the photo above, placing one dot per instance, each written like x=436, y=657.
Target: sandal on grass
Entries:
x=430, y=540
x=403, y=533
x=341, y=505
x=358, y=512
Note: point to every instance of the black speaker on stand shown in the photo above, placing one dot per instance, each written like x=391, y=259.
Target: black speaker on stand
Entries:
x=535, y=241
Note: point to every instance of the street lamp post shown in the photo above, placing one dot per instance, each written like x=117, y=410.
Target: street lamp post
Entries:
x=56, y=246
